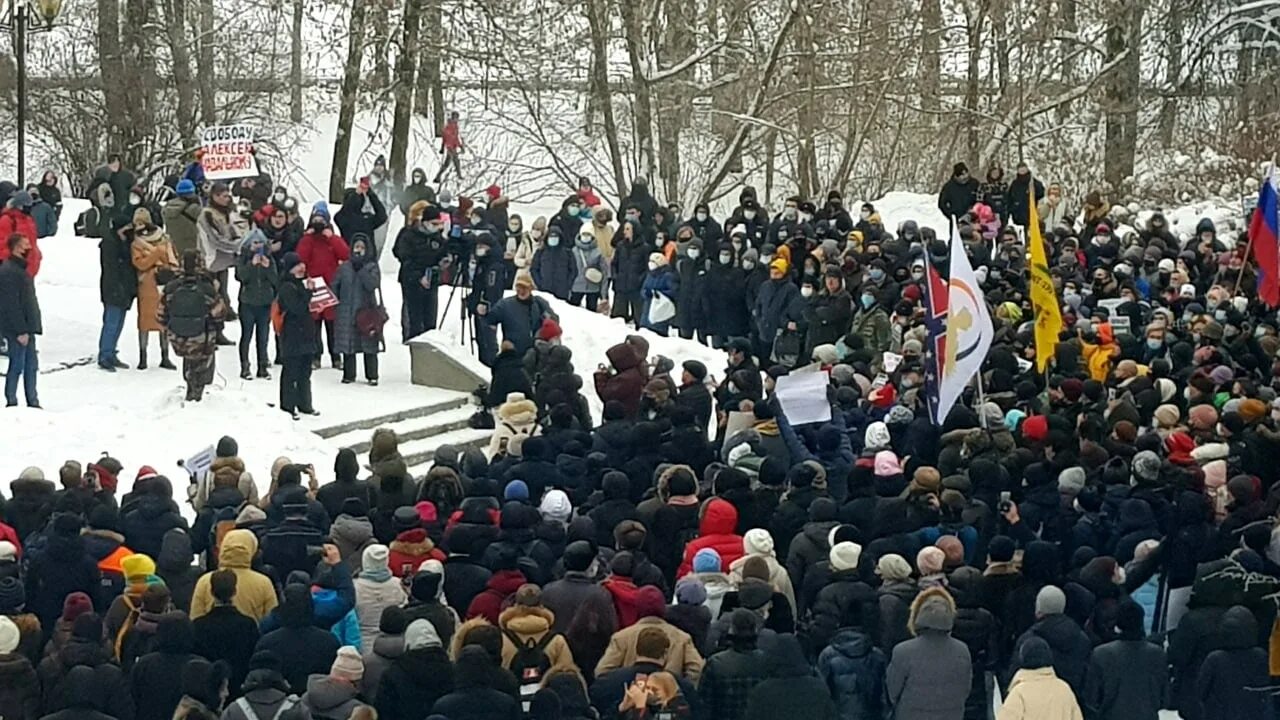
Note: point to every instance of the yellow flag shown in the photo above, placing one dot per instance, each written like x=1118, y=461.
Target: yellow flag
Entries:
x=1043, y=296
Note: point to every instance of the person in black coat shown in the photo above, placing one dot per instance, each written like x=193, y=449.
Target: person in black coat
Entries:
x=554, y=267
x=791, y=690
x=474, y=697
x=959, y=193
x=81, y=699
x=508, y=376
x=693, y=394
x=156, y=677
x=362, y=213
x=425, y=603
x=627, y=270
x=297, y=339
x=310, y=649
x=1018, y=197
x=466, y=542
x=63, y=567
x=31, y=505
x=615, y=508
x=20, y=320
x=567, y=220
x=1233, y=679
x=420, y=247
x=516, y=538
x=417, y=679
x=977, y=628
x=346, y=484
x=725, y=310
x=692, y=300
x=285, y=546
x=154, y=513
x=1070, y=645
x=118, y=286
x=224, y=633
x=1129, y=677
x=489, y=282
x=828, y=314
x=62, y=674
x=174, y=566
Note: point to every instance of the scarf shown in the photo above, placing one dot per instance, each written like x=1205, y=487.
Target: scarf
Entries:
x=381, y=574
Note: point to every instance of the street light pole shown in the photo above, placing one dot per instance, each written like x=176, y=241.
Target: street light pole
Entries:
x=18, y=18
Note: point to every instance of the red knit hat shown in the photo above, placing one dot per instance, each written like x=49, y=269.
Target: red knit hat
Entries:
x=146, y=472
x=1180, y=445
x=1036, y=428
x=75, y=605
x=549, y=330
x=494, y=192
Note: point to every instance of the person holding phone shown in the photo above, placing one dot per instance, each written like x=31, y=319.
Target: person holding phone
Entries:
x=655, y=697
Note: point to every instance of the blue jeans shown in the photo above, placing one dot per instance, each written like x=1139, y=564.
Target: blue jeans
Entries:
x=23, y=363
x=112, y=326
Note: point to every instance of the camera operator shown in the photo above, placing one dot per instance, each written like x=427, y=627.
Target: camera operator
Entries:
x=487, y=277
x=423, y=253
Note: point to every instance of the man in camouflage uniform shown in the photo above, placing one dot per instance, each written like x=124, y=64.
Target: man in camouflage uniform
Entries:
x=192, y=311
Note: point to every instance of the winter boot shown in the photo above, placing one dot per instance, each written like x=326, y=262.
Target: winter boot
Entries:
x=142, y=352
x=245, y=374
x=264, y=373
x=223, y=341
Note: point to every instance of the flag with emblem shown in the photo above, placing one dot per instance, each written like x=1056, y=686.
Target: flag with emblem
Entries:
x=967, y=334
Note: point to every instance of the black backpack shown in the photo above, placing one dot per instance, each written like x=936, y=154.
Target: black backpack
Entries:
x=224, y=521
x=87, y=225
x=530, y=664
x=188, y=309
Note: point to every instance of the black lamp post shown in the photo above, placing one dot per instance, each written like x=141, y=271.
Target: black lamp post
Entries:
x=21, y=17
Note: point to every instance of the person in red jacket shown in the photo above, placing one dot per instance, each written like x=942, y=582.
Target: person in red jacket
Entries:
x=322, y=251
x=450, y=146
x=715, y=531
x=16, y=218
x=411, y=547
x=490, y=602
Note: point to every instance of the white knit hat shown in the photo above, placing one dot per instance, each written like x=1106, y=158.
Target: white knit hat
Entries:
x=374, y=558
x=9, y=635
x=8, y=551
x=555, y=507
x=845, y=556
x=757, y=542
x=348, y=665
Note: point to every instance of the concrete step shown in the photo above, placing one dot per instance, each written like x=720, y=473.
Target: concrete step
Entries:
x=409, y=429
x=419, y=454
x=347, y=430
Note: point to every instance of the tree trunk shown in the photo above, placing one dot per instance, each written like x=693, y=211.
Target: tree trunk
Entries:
x=140, y=82
x=674, y=103
x=974, y=16
x=1124, y=34
x=999, y=11
x=931, y=53
x=406, y=74
x=347, y=106
x=176, y=33
x=295, y=63
x=633, y=32
x=430, y=95
x=1173, y=72
x=112, y=71
x=381, y=41
x=598, y=22
x=205, y=65
x=806, y=122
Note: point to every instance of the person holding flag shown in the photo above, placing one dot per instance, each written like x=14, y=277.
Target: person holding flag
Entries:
x=1264, y=239
x=961, y=340
x=1044, y=298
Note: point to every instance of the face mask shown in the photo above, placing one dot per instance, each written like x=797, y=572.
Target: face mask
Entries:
x=1275, y=415
x=877, y=274
x=659, y=242
x=1260, y=332
x=767, y=259
x=865, y=215
x=749, y=214
x=318, y=226
x=1100, y=240
x=1219, y=315
x=1071, y=298
x=747, y=265
x=553, y=241
x=1154, y=344
x=1195, y=337
x=693, y=253
x=653, y=266
x=917, y=274
x=572, y=209
x=868, y=301
x=789, y=214
x=908, y=383
x=725, y=258
x=702, y=217
x=806, y=291
x=806, y=217
x=135, y=200
x=482, y=251
x=513, y=228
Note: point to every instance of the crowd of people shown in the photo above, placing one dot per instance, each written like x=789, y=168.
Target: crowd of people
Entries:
x=1096, y=541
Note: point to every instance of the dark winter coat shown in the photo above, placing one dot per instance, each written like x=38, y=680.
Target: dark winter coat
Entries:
x=519, y=319
x=728, y=680
x=32, y=500
x=846, y=602
x=356, y=286
x=1128, y=680
x=63, y=568
x=329, y=698
x=413, y=683
x=310, y=648
x=118, y=282
x=554, y=268
x=727, y=311
x=19, y=688
x=475, y=696
x=791, y=687
x=1071, y=649
x=978, y=629
x=298, y=338
x=258, y=284
x=630, y=263
x=146, y=523
x=1233, y=680
x=360, y=216
x=19, y=308
x=828, y=318
x=853, y=670
x=156, y=679
x=1017, y=198
x=61, y=680
x=779, y=303
x=956, y=197
x=224, y=633
x=697, y=399
x=418, y=251
x=693, y=305
x=626, y=383
x=82, y=699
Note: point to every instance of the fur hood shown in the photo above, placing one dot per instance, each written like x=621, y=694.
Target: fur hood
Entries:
x=933, y=609
x=527, y=621
x=226, y=471
x=385, y=445
x=460, y=637
x=518, y=410
x=1211, y=451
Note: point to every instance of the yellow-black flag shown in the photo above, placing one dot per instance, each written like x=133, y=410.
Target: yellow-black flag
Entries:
x=1043, y=296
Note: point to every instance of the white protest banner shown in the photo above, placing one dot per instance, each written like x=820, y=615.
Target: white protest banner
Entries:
x=200, y=463
x=891, y=361
x=737, y=422
x=228, y=152
x=803, y=397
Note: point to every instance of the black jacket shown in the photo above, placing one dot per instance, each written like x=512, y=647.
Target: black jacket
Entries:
x=298, y=338
x=727, y=311
x=956, y=198
x=413, y=683
x=354, y=222
x=418, y=251
x=311, y=650
x=19, y=309
x=85, y=669
x=156, y=683
x=1128, y=680
x=630, y=262
x=1071, y=649
x=118, y=282
x=224, y=633
x=147, y=521
x=828, y=318
x=1232, y=681
x=692, y=302
x=61, y=569
x=258, y=284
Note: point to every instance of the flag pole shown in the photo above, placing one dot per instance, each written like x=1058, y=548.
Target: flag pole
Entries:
x=1248, y=248
x=982, y=399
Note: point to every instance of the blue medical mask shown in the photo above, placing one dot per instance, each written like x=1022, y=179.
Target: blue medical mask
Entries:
x=868, y=301
x=876, y=274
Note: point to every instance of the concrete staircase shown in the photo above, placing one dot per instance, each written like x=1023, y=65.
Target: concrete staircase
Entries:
x=421, y=430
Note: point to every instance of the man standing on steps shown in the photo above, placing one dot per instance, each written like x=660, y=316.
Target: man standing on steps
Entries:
x=297, y=338
x=450, y=146
x=19, y=321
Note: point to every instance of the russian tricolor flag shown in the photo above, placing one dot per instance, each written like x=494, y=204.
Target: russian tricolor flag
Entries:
x=1264, y=236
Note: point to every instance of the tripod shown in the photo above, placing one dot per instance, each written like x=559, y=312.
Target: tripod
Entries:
x=461, y=279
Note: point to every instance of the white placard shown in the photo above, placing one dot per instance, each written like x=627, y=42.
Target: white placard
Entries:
x=228, y=152
x=803, y=397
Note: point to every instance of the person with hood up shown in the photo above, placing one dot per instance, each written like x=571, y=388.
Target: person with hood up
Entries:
x=504, y=582
x=426, y=601
x=15, y=219
x=693, y=305
x=19, y=686
x=417, y=678
x=1128, y=677
x=778, y=308
x=554, y=268
x=153, y=258
x=727, y=291
x=60, y=674
x=592, y=270
x=156, y=678
x=346, y=486
x=311, y=650
x=854, y=670
x=625, y=382
x=792, y=689
x=357, y=285
x=380, y=654
x=255, y=594
x=64, y=567
x=660, y=289
x=322, y=251
x=362, y=217
x=377, y=589
x=730, y=675
x=929, y=676
x=759, y=543
x=224, y=633
x=149, y=513
x=1036, y=693
x=118, y=285
x=81, y=701
x=336, y=695
x=266, y=693
x=474, y=696
x=716, y=532
x=1233, y=681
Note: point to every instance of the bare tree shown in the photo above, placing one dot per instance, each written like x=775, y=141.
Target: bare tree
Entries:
x=406, y=76
x=347, y=106
x=205, y=67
